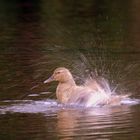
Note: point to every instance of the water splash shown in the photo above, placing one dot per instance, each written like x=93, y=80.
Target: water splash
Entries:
x=47, y=107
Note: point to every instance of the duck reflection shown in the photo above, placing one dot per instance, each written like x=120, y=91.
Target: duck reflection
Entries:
x=93, y=123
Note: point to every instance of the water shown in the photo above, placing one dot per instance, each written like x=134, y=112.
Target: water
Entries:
x=85, y=36
x=47, y=119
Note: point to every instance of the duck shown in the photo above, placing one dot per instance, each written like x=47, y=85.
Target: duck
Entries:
x=88, y=94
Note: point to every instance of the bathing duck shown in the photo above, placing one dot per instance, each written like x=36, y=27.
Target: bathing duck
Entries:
x=68, y=92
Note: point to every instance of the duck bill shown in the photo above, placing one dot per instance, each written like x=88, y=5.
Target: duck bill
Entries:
x=49, y=80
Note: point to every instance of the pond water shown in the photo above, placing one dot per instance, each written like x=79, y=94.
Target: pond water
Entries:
x=100, y=37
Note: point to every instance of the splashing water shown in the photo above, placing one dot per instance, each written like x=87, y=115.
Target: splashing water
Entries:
x=105, y=77
x=92, y=93
x=89, y=71
x=48, y=107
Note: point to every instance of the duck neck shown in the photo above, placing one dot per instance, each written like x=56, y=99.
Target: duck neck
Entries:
x=64, y=90
x=67, y=83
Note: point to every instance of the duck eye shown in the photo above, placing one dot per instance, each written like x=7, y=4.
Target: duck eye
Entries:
x=58, y=72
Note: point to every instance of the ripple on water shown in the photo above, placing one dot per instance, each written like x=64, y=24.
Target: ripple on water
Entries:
x=103, y=122
x=78, y=122
x=45, y=106
x=29, y=106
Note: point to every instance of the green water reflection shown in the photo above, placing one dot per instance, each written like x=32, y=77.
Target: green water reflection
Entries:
x=38, y=36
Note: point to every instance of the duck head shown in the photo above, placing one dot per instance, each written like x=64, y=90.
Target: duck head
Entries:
x=61, y=75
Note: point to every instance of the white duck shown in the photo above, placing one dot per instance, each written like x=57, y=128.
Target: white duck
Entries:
x=88, y=95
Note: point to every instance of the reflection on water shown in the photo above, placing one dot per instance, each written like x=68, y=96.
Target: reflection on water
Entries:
x=95, y=123
x=84, y=36
x=67, y=122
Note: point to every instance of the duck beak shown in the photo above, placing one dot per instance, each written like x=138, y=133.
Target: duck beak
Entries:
x=49, y=80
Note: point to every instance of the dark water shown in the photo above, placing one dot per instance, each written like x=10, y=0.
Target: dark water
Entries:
x=85, y=36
